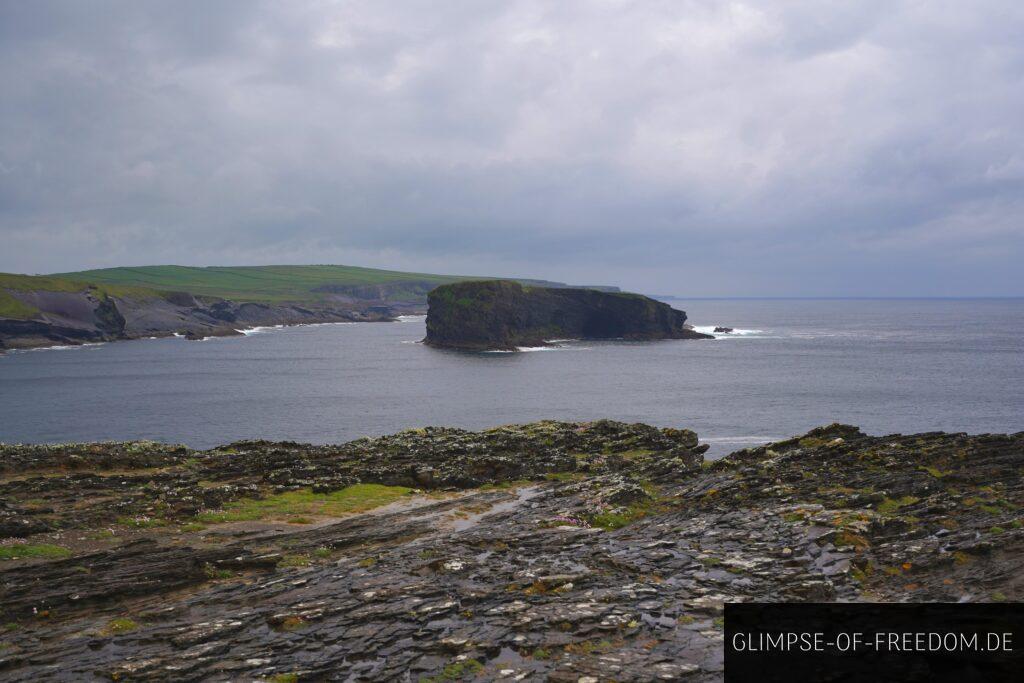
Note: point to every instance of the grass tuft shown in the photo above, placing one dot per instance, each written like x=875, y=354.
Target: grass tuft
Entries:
x=891, y=506
x=21, y=551
x=299, y=505
x=120, y=625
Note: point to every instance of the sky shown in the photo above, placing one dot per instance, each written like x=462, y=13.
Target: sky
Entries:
x=678, y=147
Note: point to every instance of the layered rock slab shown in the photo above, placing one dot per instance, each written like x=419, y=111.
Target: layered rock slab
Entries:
x=584, y=561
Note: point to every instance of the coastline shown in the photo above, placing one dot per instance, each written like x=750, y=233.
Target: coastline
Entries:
x=189, y=332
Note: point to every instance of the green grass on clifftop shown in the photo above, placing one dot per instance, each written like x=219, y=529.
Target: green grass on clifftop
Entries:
x=304, y=285
x=12, y=307
x=253, y=283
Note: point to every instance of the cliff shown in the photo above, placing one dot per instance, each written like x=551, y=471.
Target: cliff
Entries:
x=158, y=301
x=502, y=314
x=46, y=311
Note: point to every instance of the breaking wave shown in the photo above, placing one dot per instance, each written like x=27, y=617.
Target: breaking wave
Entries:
x=260, y=329
x=736, y=332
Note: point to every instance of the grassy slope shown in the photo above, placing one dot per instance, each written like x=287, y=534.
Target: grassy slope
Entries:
x=251, y=283
x=10, y=307
x=269, y=284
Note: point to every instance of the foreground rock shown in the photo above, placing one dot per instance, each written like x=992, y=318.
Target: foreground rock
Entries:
x=504, y=315
x=558, y=551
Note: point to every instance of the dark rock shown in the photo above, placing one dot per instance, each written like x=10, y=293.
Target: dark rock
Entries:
x=12, y=526
x=503, y=315
x=90, y=315
x=108, y=318
x=224, y=310
x=575, y=551
x=723, y=330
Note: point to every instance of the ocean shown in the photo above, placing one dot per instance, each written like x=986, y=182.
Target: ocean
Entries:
x=889, y=365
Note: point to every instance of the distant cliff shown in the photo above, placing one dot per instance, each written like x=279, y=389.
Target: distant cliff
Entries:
x=47, y=311
x=503, y=315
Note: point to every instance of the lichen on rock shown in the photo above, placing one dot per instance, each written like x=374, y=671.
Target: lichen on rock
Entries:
x=547, y=551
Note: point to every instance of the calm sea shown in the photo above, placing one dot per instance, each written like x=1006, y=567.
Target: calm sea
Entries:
x=885, y=365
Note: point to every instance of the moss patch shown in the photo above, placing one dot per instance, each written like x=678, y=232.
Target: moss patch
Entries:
x=610, y=521
x=286, y=506
x=457, y=671
x=21, y=551
x=11, y=307
x=295, y=561
x=120, y=625
x=891, y=506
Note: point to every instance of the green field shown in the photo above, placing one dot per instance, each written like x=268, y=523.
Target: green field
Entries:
x=253, y=283
x=263, y=284
x=10, y=307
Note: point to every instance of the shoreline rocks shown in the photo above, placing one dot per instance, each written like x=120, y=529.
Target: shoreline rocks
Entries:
x=73, y=318
x=553, y=551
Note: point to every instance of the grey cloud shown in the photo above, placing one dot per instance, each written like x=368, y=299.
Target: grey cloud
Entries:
x=692, y=147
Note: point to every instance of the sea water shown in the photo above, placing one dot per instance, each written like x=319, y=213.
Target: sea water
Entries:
x=790, y=365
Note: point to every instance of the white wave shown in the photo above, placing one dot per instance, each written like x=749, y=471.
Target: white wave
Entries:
x=409, y=318
x=178, y=334
x=64, y=347
x=736, y=332
x=528, y=349
x=412, y=341
x=260, y=329
x=742, y=439
x=553, y=347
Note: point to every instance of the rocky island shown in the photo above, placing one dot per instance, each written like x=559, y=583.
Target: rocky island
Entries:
x=505, y=315
x=553, y=551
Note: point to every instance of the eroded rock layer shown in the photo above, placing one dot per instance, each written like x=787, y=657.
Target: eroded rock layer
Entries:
x=550, y=551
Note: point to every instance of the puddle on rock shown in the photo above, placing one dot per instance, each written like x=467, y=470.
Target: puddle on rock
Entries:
x=522, y=495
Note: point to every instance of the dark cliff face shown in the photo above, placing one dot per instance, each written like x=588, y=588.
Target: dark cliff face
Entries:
x=109, y=320
x=500, y=314
x=76, y=317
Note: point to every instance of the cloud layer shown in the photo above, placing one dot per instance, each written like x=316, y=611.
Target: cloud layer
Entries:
x=697, y=148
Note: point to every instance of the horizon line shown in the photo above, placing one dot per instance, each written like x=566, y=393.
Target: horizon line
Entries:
x=839, y=298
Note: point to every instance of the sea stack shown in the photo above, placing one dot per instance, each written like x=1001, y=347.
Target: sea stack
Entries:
x=503, y=315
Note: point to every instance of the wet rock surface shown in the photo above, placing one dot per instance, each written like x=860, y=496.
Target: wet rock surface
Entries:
x=550, y=551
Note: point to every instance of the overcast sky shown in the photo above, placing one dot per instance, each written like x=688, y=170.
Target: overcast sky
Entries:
x=692, y=148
